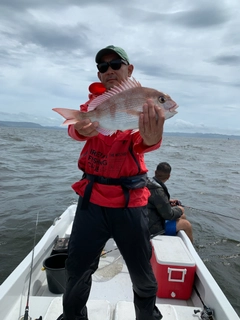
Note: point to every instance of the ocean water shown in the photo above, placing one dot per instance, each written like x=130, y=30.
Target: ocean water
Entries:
x=38, y=166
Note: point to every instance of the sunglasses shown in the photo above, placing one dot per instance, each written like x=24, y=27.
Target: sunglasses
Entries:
x=114, y=64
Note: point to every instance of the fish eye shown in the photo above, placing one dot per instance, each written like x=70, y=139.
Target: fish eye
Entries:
x=162, y=99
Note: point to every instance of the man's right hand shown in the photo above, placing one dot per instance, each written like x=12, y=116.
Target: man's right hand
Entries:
x=87, y=128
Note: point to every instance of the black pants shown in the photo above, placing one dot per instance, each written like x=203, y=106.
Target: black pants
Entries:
x=91, y=230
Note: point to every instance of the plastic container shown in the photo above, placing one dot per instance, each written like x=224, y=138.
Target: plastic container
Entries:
x=55, y=271
x=173, y=266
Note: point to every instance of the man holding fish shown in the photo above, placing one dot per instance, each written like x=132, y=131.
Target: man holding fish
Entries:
x=112, y=192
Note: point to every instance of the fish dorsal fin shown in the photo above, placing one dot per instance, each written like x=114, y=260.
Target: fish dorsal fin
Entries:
x=123, y=86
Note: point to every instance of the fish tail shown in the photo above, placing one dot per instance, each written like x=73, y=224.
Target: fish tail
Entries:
x=71, y=116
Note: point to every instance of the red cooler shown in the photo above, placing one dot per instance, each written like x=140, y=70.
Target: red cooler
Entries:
x=173, y=266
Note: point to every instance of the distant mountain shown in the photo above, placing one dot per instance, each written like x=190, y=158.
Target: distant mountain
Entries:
x=20, y=124
x=202, y=135
x=25, y=117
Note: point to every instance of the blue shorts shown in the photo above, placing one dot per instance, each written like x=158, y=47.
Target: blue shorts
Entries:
x=170, y=227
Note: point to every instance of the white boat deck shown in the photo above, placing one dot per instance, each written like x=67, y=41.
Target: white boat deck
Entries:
x=111, y=296
x=102, y=309
x=114, y=304
x=105, y=304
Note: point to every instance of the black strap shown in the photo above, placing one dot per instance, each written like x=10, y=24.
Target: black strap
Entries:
x=126, y=195
x=127, y=183
x=87, y=195
x=164, y=187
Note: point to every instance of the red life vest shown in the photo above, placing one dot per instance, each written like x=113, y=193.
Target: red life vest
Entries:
x=116, y=156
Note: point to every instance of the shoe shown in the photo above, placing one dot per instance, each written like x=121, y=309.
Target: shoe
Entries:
x=61, y=318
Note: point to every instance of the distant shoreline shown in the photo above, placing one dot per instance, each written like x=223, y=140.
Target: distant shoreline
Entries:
x=33, y=125
x=20, y=124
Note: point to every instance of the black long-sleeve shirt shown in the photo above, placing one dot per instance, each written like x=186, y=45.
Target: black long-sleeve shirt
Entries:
x=159, y=208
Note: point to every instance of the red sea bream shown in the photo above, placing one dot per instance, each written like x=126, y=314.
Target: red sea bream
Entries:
x=119, y=108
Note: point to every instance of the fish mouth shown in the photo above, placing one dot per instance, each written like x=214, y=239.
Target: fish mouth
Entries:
x=173, y=109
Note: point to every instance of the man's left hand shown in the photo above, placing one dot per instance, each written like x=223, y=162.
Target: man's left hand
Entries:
x=151, y=123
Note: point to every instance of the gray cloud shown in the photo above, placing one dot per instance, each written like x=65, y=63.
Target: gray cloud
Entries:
x=202, y=17
x=161, y=71
x=229, y=60
x=23, y=5
x=24, y=29
x=52, y=37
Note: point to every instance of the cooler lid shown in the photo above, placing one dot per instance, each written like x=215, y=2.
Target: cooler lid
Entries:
x=171, y=250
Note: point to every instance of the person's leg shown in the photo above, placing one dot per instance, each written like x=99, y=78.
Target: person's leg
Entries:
x=185, y=225
x=88, y=237
x=132, y=236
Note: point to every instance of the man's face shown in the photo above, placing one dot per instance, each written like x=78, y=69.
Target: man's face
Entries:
x=112, y=77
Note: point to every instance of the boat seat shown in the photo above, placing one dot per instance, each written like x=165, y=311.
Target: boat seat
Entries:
x=125, y=311
x=97, y=309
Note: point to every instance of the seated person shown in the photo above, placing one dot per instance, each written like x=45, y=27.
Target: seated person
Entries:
x=166, y=216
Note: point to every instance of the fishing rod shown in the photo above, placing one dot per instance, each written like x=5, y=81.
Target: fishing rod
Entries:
x=26, y=314
x=106, y=252
x=206, y=313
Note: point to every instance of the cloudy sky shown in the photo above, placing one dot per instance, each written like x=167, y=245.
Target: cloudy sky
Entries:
x=188, y=49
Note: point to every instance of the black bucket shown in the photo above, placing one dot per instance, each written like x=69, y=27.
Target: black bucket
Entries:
x=55, y=269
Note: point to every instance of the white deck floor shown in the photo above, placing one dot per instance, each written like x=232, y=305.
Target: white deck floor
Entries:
x=123, y=310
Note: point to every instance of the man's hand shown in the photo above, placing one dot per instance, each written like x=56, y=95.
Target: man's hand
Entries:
x=87, y=128
x=175, y=202
x=151, y=123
